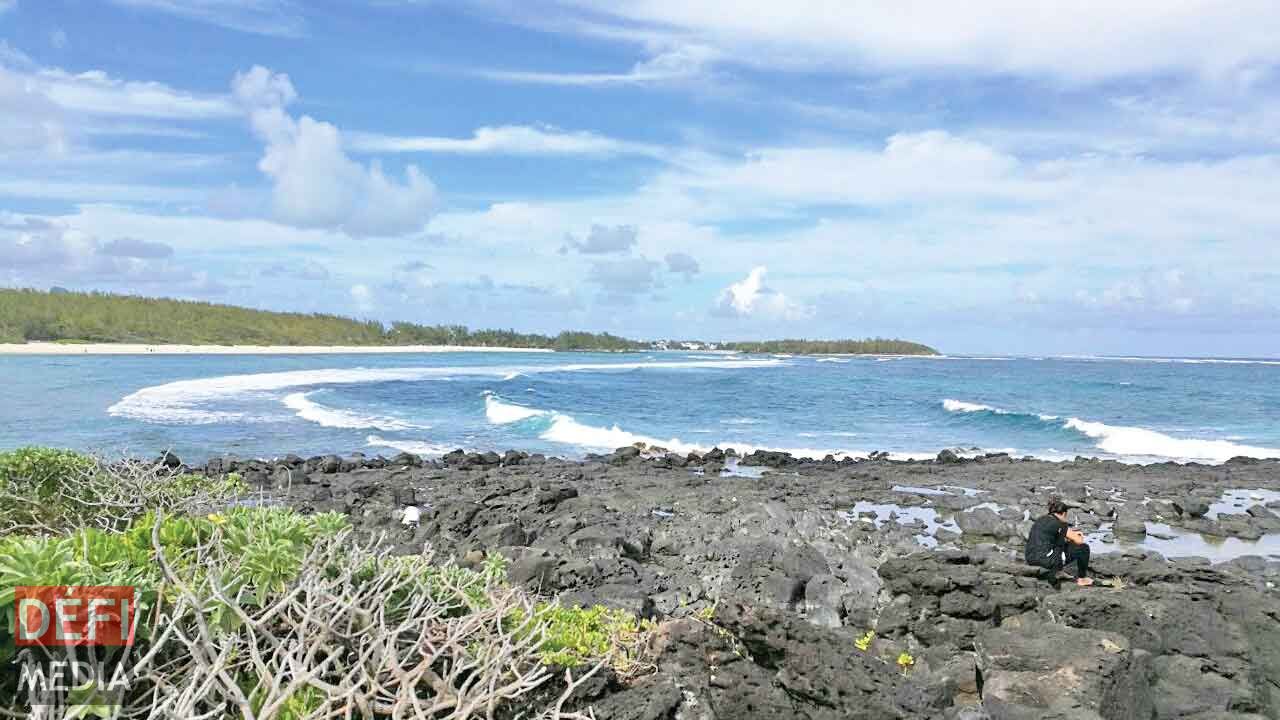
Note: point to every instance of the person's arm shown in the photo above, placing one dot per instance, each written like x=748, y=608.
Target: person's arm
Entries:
x=1074, y=536
x=1060, y=540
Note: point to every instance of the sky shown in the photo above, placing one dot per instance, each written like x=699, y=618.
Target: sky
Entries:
x=1002, y=176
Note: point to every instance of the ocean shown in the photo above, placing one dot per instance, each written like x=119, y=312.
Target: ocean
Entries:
x=1136, y=410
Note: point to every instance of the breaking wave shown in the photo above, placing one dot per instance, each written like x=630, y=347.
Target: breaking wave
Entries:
x=189, y=401
x=503, y=413
x=307, y=409
x=1126, y=442
x=410, y=446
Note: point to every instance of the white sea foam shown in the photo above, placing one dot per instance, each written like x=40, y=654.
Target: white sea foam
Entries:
x=503, y=413
x=1167, y=361
x=417, y=447
x=741, y=421
x=1140, y=442
x=566, y=429
x=960, y=406
x=307, y=409
x=832, y=360
x=188, y=401
x=1136, y=443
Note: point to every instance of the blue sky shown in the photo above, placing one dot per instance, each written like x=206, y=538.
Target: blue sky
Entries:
x=1029, y=177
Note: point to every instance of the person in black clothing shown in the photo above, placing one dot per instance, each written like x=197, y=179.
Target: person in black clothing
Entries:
x=1052, y=544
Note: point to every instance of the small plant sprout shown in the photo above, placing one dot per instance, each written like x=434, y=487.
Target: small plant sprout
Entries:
x=864, y=642
x=905, y=661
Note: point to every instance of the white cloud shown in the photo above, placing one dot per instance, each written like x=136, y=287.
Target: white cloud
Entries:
x=39, y=249
x=49, y=115
x=912, y=167
x=363, y=297
x=135, y=248
x=29, y=120
x=314, y=183
x=503, y=140
x=263, y=17
x=96, y=92
x=751, y=298
x=623, y=281
x=680, y=63
x=1088, y=40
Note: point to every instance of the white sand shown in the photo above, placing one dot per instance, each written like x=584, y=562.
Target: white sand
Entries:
x=48, y=348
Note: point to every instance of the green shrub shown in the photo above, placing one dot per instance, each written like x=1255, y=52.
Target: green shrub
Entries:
x=51, y=490
x=255, y=557
x=577, y=636
x=45, y=470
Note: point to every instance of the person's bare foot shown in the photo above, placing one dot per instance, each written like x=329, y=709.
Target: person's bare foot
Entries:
x=1084, y=582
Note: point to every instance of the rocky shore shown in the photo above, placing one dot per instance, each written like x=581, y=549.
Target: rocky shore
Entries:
x=869, y=589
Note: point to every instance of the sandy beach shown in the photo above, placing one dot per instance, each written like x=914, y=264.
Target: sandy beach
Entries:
x=48, y=348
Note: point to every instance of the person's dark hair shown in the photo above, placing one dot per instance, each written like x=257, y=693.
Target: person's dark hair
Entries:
x=1056, y=506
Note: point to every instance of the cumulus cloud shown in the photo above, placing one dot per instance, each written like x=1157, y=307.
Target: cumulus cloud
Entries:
x=39, y=249
x=751, y=298
x=603, y=240
x=683, y=264
x=314, y=183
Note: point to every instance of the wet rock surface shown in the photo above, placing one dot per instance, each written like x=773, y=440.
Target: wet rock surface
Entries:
x=766, y=586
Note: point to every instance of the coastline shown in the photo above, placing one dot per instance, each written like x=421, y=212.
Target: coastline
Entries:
x=839, y=570
x=724, y=580
x=52, y=348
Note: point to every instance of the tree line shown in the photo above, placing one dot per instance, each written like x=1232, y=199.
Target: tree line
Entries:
x=62, y=316
x=869, y=346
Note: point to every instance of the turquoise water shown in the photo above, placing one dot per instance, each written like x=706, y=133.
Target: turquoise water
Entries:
x=1132, y=409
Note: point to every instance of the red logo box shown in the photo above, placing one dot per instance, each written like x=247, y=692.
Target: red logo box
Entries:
x=67, y=615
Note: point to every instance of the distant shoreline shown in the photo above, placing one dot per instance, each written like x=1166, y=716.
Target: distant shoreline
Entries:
x=53, y=348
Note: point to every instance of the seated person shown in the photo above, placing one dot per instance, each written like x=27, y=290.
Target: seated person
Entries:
x=1052, y=544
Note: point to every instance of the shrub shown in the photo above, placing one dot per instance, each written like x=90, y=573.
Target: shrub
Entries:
x=291, y=616
x=577, y=636
x=54, y=491
x=45, y=470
